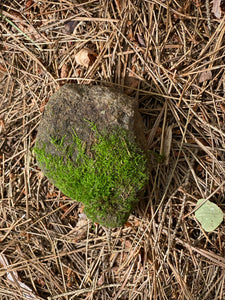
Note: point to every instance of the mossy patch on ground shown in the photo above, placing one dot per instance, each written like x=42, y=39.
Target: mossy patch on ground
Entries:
x=105, y=176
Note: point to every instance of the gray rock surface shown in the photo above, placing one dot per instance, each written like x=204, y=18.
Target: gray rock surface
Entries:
x=70, y=110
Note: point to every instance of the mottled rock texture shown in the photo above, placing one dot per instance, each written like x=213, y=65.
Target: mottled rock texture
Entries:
x=98, y=118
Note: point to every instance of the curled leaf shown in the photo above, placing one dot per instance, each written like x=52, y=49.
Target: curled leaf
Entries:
x=141, y=40
x=216, y=8
x=167, y=143
x=2, y=125
x=205, y=75
x=209, y=215
x=85, y=57
x=80, y=230
x=13, y=278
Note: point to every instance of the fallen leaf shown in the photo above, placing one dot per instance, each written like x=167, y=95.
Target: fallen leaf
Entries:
x=51, y=195
x=101, y=280
x=13, y=277
x=205, y=75
x=41, y=282
x=132, y=83
x=71, y=276
x=216, y=8
x=118, y=5
x=64, y=71
x=85, y=57
x=80, y=230
x=69, y=26
x=2, y=125
x=167, y=143
x=128, y=244
x=222, y=106
x=121, y=5
x=3, y=72
x=209, y=215
x=141, y=40
x=43, y=103
x=223, y=81
x=29, y=3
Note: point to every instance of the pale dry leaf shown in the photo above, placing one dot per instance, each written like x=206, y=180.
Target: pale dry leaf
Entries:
x=85, y=57
x=141, y=40
x=209, y=214
x=216, y=8
x=14, y=279
x=167, y=143
x=80, y=231
x=101, y=280
x=2, y=125
x=128, y=244
x=205, y=75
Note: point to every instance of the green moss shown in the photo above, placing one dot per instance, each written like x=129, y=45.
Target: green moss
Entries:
x=105, y=177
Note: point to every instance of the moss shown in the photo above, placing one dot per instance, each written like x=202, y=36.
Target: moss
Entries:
x=105, y=177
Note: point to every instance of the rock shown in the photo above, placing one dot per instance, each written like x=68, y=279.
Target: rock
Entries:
x=89, y=145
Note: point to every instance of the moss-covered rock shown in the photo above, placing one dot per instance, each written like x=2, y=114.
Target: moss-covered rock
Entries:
x=89, y=145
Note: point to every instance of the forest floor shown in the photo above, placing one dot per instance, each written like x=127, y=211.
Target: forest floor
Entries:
x=168, y=55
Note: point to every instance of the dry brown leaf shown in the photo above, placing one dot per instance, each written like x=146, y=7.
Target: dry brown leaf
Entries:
x=29, y=3
x=3, y=72
x=70, y=26
x=51, y=195
x=130, y=35
x=205, y=75
x=64, y=71
x=120, y=5
x=223, y=80
x=167, y=143
x=216, y=8
x=43, y=103
x=222, y=106
x=2, y=125
x=101, y=280
x=128, y=244
x=85, y=57
x=141, y=40
x=132, y=84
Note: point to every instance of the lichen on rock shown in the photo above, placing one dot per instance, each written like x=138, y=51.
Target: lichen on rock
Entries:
x=87, y=146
